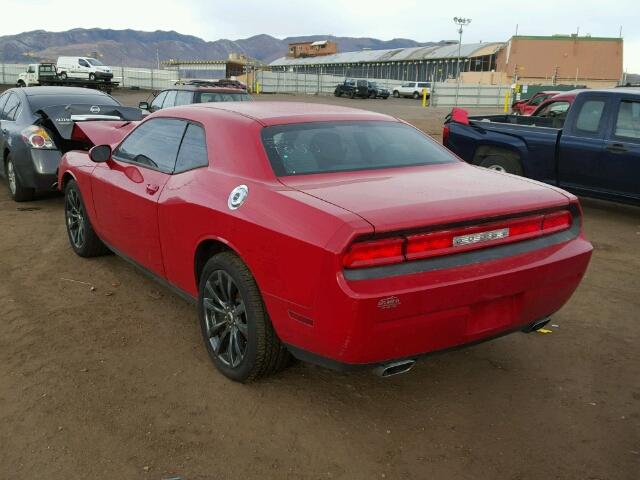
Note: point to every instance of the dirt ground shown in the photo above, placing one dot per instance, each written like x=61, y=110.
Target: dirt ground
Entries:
x=115, y=383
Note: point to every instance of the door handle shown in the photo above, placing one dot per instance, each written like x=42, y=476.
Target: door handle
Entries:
x=617, y=148
x=152, y=188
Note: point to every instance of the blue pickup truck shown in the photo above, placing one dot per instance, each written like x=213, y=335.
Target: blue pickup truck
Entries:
x=593, y=149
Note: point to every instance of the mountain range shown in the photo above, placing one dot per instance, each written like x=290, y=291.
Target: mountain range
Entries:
x=138, y=48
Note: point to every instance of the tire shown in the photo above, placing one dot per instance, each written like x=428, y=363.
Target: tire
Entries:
x=63, y=76
x=416, y=95
x=337, y=93
x=385, y=97
x=20, y=84
x=18, y=192
x=372, y=95
x=396, y=94
x=83, y=239
x=259, y=351
x=352, y=94
x=92, y=77
x=502, y=164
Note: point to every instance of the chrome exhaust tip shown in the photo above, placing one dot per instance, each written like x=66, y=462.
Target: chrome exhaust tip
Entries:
x=394, y=368
x=537, y=325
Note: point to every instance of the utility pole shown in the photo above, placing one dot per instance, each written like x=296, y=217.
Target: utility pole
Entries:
x=460, y=22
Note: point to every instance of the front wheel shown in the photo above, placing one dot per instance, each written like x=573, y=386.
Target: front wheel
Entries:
x=236, y=328
x=416, y=95
x=82, y=237
x=92, y=76
x=18, y=192
x=396, y=94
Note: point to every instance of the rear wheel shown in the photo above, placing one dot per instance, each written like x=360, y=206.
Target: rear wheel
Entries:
x=18, y=192
x=372, y=95
x=20, y=84
x=83, y=239
x=352, y=94
x=416, y=95
x=502, y=164
x=396, y=94
x=236, y=328
x=63, y=75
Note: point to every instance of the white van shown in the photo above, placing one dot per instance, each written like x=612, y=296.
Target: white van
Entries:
x=83, y=67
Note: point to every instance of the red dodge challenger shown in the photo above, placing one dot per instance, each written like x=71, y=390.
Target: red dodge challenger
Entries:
x=342, y=237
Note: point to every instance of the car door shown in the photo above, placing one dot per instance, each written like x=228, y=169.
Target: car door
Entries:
x=582, y=143
x=83, y=68
x=126, y=190
x=156, y=104
x=8, y=113
x=3, y=130
x=620, y=163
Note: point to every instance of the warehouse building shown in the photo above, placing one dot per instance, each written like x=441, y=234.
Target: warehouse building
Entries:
x=591, y=61
x=435, y=63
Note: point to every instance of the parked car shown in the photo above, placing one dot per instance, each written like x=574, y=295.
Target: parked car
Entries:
x=412, y=89
x=593, y=151
x=361, y=88
x=344, y=237
x=528, y=106
x=557, y=107
x=30, y=140
x=188, y=94
x=84, y=68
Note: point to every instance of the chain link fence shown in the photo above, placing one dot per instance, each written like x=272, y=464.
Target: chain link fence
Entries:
x=144, y=78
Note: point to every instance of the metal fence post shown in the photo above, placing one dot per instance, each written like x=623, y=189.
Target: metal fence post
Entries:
x=151, y=71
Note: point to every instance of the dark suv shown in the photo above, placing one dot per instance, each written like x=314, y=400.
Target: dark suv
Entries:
x=187, y=94
x=361, y=88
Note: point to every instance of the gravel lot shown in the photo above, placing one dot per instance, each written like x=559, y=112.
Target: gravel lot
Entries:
x=113, y=382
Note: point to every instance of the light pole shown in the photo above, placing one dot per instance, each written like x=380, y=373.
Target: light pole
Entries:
x=460, y=22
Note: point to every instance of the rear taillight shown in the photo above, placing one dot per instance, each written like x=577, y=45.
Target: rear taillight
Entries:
x=370, y=254
x=445, y=134
x=454, y=240
x=37, y=137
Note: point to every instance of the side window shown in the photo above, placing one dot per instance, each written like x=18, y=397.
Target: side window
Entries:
x=193, y=150
x=11, y=108
x=170, y=100
x=590, y=116
x=31, y=69
x=183, y=97
x=83, y=63
x=157, y=102
x=537, y=100
x=628, y=121
x=153, y=144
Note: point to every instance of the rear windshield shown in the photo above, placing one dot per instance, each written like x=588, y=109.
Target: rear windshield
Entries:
x=207, y=97
x=38, y=102
x=322, y=147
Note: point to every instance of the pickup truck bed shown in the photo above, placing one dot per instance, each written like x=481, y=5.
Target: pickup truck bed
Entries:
x=595, y=151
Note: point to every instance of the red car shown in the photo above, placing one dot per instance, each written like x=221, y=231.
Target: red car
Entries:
x=527, y=107
x=556, y=106
x=344, y=237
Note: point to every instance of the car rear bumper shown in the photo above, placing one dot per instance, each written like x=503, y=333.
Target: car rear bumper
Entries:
x=39, y=169
x=373, y=321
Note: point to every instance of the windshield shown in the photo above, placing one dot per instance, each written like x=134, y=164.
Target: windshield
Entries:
x=94, y=62
x=346, y=146
x=206, y=97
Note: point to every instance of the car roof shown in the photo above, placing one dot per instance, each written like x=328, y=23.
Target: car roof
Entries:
x=200, y=88
x=33, y=91
x=277, y=113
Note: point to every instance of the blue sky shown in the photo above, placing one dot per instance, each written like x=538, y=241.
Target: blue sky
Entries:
x=418, y=20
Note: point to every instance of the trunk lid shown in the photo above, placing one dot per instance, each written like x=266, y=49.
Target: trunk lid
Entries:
x=414, y=197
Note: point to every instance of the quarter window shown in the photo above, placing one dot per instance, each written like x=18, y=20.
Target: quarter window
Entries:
x=590, y=116
x=555, y=109
x=628, y=121
x=193, y=150
x=153, y=144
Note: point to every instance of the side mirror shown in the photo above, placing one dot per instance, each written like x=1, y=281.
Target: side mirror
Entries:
x=143, y=106
x=100, y=153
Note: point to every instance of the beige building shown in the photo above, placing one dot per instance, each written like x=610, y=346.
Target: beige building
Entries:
x=562, y=59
